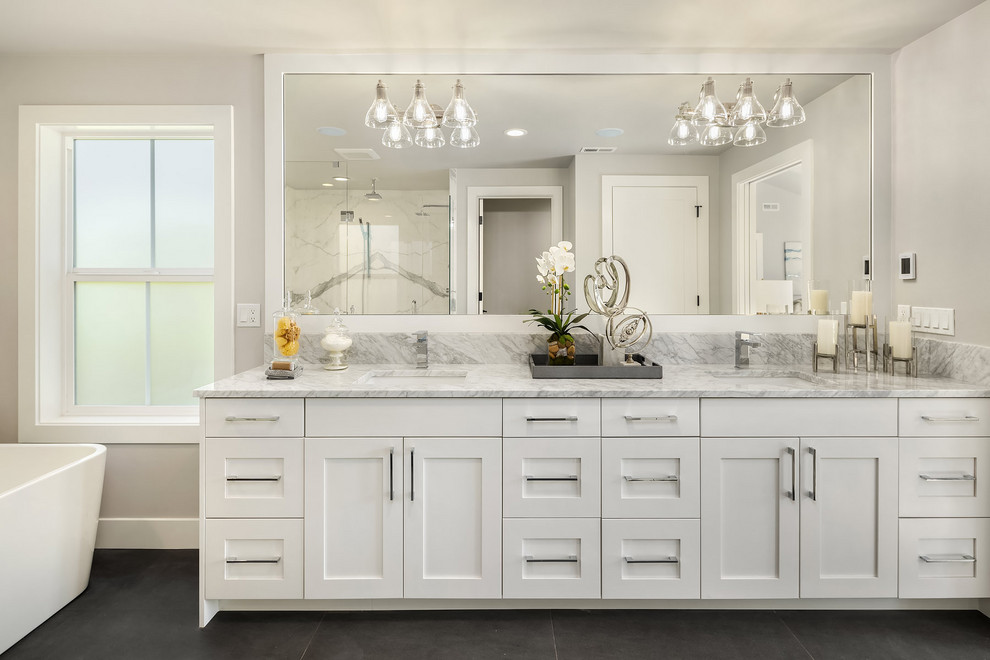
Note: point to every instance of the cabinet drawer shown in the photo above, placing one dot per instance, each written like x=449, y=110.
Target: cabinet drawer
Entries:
x=254, y=558
x=945, y=558
x=945, y=477
x=547, y=418
x=650, y=417
x=651, y=478
x=944, y=417
x=551, y=558
x=798, y=417
x=260, y=417
x=651, y=559
x=327, y=418
x=551, y=477
x=254, y=477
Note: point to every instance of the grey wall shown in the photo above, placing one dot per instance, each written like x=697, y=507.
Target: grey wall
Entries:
x=941, y=170
x=143, y=481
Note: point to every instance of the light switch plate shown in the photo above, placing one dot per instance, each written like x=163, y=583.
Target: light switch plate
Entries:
x=935, y=320
x=248, y=315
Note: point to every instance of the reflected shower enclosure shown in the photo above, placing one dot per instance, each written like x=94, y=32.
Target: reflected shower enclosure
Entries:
x=369, y=256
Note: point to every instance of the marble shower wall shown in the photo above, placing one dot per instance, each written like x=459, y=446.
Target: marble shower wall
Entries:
x=409, y=267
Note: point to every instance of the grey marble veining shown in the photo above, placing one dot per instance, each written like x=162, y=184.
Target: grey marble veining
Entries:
x=966, y=362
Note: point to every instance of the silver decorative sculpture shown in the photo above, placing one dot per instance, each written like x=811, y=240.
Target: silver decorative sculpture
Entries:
x=607, y=292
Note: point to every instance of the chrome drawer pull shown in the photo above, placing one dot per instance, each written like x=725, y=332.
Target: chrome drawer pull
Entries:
x=570, y=559
x=948, y=559
x=274, y=477
x=235, y=560
x=661, y=560
x=945, y=477
x=670, y=478
x=231, y=418
x=966, y=418
x=571, y=418
x=570, y=477
x=664, y=418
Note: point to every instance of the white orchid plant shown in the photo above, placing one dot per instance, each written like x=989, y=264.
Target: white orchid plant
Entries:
x=552, y=265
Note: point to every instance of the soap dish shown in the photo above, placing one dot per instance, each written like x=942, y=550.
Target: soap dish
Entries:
x=586, y=366
x=283, y=374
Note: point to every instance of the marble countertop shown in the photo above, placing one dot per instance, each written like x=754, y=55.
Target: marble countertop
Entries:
x=510, y=380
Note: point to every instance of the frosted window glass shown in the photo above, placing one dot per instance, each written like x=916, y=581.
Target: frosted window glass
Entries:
x=112, y=204
x=181, y=341
x=110, y=345
x=184, y=203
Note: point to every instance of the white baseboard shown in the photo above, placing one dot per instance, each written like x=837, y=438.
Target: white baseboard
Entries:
x=148, y=533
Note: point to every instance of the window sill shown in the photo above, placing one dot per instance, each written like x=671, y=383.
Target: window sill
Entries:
x=132, y=429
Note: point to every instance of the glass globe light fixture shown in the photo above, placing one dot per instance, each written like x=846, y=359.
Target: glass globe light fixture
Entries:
x=465, y=137
x=397, y=136
x=429, y=138
x=786, y=109
x=714, y=135
x=750, y=135
x=459, y=112
x=748, y=107
x=683, y=131
x=709, y=109
x=381, y=112
x=419, y=114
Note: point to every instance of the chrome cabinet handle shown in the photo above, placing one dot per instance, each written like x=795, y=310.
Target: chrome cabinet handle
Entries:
x=412, y=474
x=935, y=477
x=274, y=477
x=663, y=418
x=235, y=560
x=232, y=418
x=391, y=480
x=670, y=478
x=570, y=477
x=570, y=418
x=570, y=559
x=661, y=560
x=813, y=493
x=965, y=418
x=948, y=559
x=792, y=492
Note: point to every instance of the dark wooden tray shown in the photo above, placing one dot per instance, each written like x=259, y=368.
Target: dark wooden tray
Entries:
x=586, y=366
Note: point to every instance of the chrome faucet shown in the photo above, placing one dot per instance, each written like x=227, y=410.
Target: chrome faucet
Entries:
x=421, y=339
x=744, y=342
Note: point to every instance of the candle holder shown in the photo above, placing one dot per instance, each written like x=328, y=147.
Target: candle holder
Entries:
x=816, y=356
x=868, y=349
x=890, y=362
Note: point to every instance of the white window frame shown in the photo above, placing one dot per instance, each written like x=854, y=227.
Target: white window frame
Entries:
x=46, y=410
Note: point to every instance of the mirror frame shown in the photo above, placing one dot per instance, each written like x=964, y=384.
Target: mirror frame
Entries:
x=877, y=65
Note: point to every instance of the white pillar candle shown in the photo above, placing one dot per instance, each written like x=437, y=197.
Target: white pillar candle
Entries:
x=819, y=301
x=860, y=307
x=899, y=338
x=828, y=336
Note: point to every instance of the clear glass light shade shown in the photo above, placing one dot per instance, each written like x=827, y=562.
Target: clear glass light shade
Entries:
x=682, y=132
x=382, y=112
x=714, y=135
x=397, y=136
x=464, y=137
x=709, y=109
x=750, y=135
x=748, y=107
x=419, y=114
x=786, y=109
x=458, y=112
x=430, y=138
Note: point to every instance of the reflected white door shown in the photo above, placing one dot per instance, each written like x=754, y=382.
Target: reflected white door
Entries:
x=453, y=518
x=659, y=226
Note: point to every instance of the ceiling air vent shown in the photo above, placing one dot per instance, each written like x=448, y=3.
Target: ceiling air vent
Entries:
x=358, y=154
x=598, y=150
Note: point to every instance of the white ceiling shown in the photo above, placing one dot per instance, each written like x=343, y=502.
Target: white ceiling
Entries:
x=327, y=26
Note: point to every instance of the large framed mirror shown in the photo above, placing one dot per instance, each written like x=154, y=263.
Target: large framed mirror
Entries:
x=371, y=229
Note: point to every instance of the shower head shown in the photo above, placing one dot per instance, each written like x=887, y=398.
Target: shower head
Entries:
x=423, y=214
x=373, y=196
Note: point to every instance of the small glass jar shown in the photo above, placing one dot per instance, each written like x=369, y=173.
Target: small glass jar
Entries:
x=287, y=335
x=336, y=341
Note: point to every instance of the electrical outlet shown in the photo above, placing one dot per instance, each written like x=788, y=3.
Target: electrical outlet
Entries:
x=936, y=320
x=248, y=315
x=904, y=312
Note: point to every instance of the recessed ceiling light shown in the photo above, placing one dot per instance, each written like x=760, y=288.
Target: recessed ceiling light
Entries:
x=516, y=132
x=609, y=132
x=341, y=178
x=327, y=185
x=332, y=131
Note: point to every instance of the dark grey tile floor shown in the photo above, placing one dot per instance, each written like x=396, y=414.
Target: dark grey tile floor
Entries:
x=141, y=604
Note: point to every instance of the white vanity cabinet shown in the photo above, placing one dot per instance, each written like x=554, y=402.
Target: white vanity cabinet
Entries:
x=810, y=514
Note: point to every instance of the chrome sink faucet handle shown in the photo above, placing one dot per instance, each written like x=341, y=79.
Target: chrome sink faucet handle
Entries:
x=421, y=341
x=744, y=342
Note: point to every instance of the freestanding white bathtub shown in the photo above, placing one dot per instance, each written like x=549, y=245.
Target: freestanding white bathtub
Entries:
x=49, y=508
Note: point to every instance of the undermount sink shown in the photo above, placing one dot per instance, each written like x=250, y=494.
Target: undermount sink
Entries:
x=416, y=377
